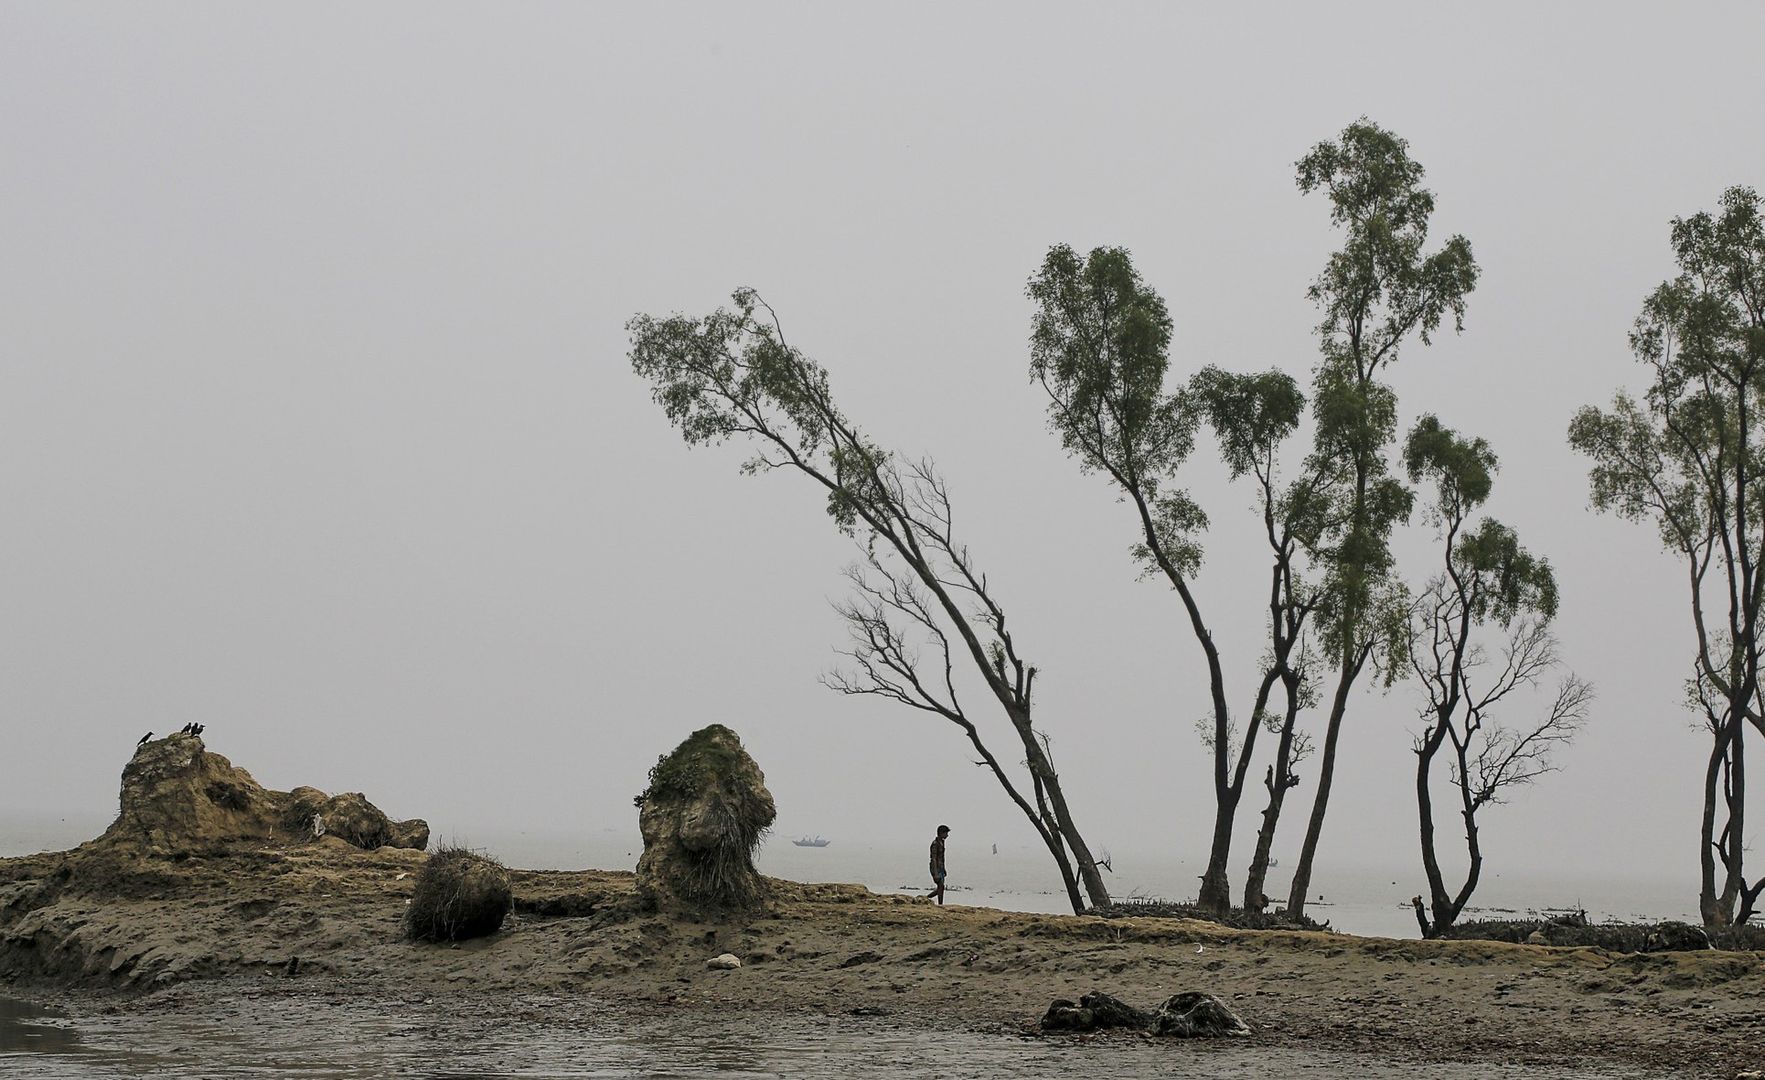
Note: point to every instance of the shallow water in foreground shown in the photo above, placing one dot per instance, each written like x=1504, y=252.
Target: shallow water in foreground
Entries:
x=324, y=1039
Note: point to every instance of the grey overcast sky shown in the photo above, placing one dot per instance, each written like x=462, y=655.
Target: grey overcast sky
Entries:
x=316, y=422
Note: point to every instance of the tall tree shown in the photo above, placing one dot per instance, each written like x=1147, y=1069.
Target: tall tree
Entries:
x=1487, y=582
x=732, y=375
x=1689, y=458
x=1252, y=416
x=1379, y=290
x=1099, y=345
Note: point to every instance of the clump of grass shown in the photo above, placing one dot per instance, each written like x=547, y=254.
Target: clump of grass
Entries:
x=459, y=894
x=722, y=874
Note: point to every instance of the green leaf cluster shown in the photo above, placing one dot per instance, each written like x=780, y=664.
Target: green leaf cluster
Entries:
x=1099, y=345
x=1689, y=456
x=1498, y=577
x=1380, y=286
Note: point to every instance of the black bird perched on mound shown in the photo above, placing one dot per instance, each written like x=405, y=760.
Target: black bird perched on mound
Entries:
x=144, y=739
x=185, y=730
x=197, y=729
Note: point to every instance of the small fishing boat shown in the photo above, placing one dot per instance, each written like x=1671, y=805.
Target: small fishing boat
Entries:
x=810, y=841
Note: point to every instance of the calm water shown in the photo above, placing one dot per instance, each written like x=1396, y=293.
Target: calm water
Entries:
x=316, y=1039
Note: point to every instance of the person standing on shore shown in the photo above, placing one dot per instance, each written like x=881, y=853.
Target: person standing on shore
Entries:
x=938, y=871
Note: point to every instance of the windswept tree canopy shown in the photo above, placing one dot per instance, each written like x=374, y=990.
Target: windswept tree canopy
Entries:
x=1099, y=343
x=1250, y=414
x=1379, y=287
x=731, y=374
x=1677, y=457
x=1496, y=577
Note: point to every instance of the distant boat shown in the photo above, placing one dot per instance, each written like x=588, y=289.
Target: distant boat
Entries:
x=810, y=841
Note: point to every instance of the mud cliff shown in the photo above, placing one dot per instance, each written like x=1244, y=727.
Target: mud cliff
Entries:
x=178, y=795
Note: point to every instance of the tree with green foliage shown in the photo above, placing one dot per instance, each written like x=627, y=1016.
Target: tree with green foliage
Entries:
x=732, y=375
x=1379, y=290
x=1689, y=458
x=1252, y=416
x=1099, y=346
x=1487, y=583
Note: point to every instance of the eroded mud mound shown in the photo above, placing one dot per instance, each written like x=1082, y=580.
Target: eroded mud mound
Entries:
x=179, y=795
x=702, y=817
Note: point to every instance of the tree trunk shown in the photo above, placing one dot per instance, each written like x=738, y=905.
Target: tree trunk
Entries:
x=1049, y=830
x=1296, y=894
x=1067, y=877
x=1474, y=848
x=1438, y=899
x=1714, y=912
x=1735, y=788
x=1081, y=853
x=1256, y=880
x=1447, y=908
x=1216, y=885
x=1040, y=819
x=1088, y=872
x=1749, y=899
x=1216, y=890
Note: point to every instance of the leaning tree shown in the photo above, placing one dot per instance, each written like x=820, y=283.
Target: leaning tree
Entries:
x=1689, y=458
x=1488, y=587
x=731, y=375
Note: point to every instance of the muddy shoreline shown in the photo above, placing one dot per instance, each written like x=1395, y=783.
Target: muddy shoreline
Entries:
x=102, y=927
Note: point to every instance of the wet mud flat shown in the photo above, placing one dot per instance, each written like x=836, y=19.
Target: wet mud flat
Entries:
x=300, y=949
x=223, y=1030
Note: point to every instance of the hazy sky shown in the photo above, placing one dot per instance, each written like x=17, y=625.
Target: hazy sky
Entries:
x=316, y=422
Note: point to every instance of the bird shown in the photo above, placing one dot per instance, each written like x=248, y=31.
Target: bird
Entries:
x=197, y=729
x=144, y=739
x=185, y=730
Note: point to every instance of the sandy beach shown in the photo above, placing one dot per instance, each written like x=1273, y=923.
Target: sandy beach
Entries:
x=137, y=930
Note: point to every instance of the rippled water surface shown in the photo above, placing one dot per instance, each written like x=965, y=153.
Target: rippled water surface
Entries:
x=321, y=1038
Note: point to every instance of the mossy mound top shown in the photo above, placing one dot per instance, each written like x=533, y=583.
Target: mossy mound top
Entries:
x=710, y=752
